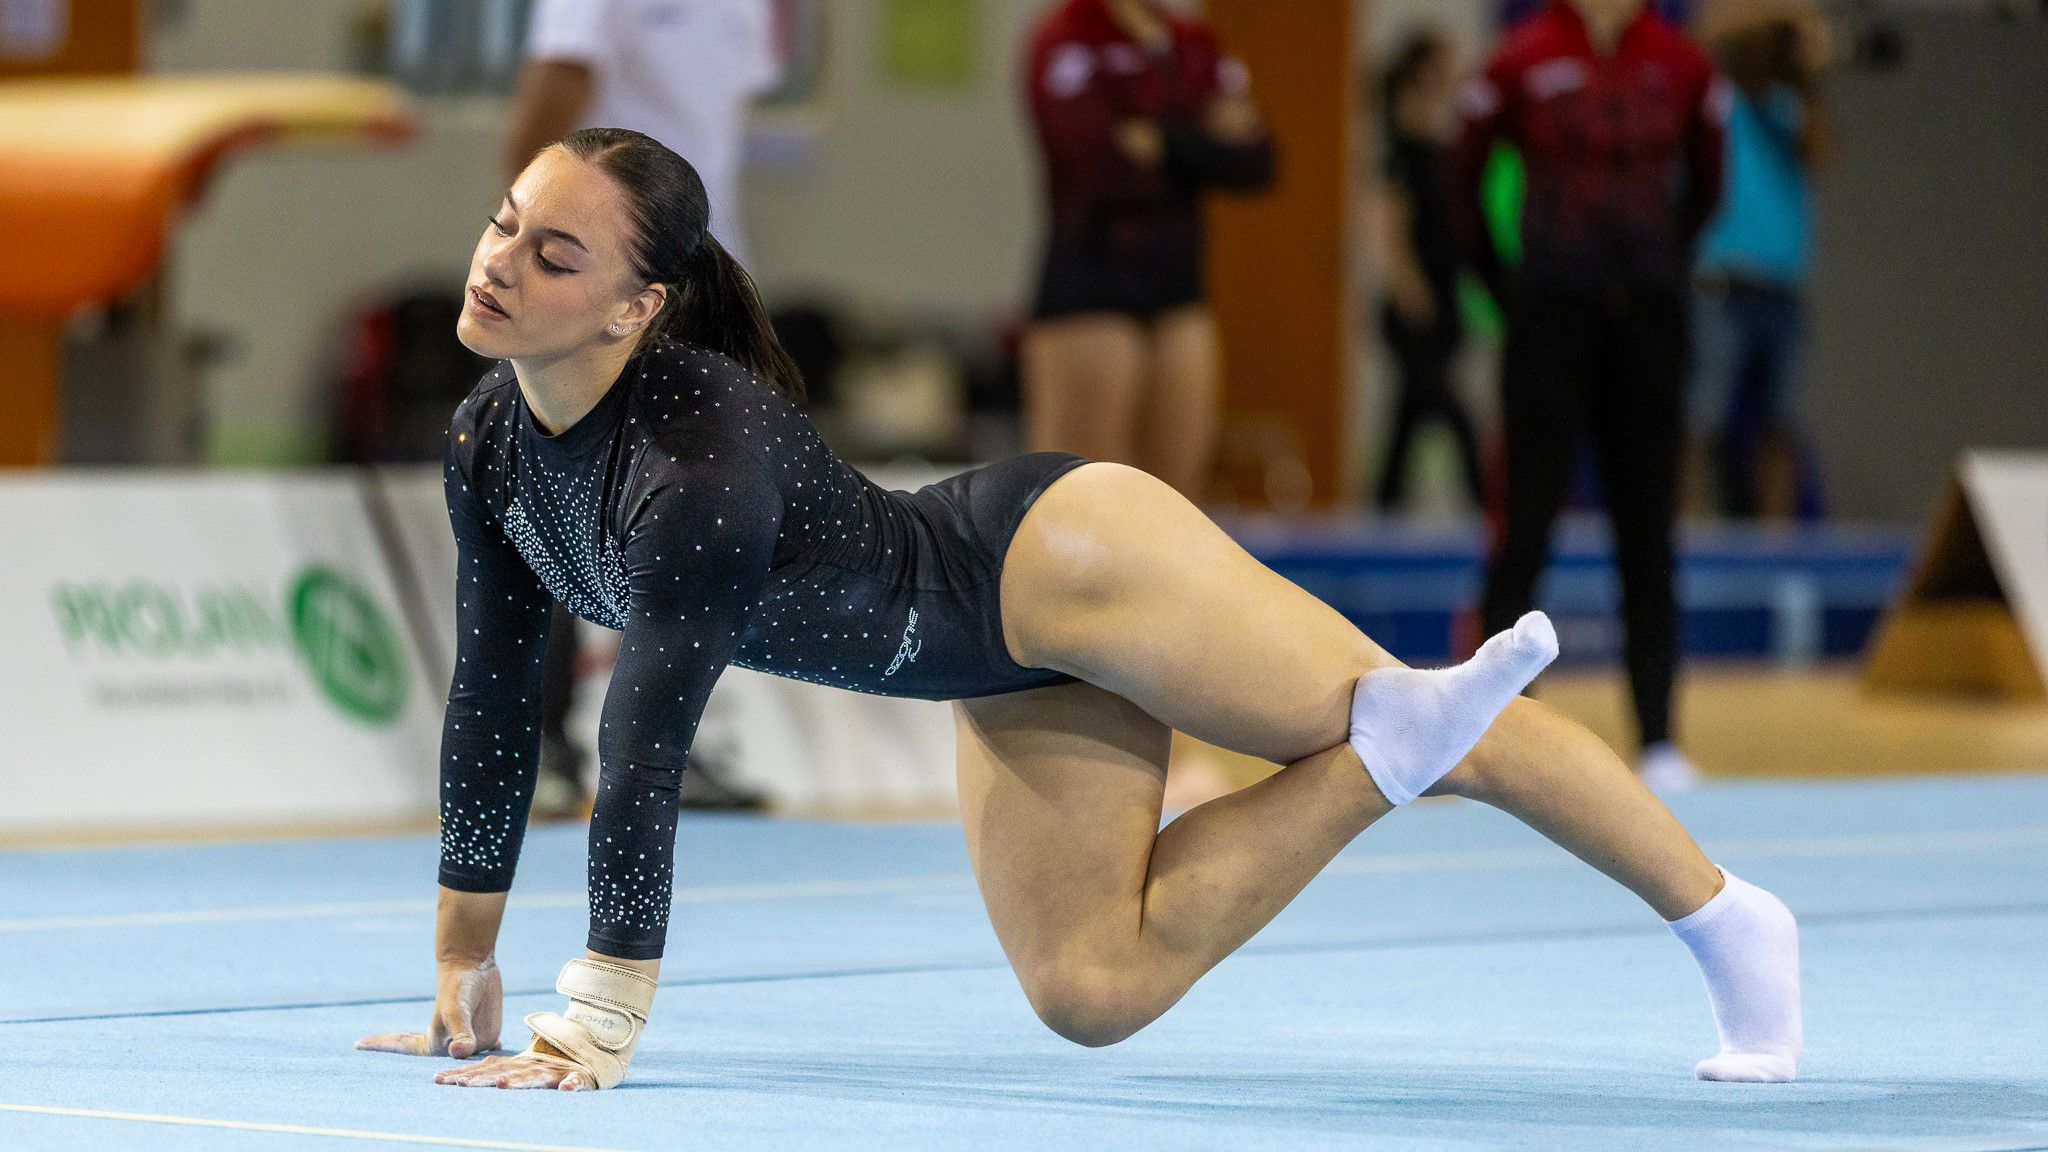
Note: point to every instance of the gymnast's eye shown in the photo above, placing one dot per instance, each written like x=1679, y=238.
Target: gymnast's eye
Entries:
x=498, y=226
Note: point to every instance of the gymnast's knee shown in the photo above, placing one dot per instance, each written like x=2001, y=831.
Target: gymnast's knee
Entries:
x=1093, y=1005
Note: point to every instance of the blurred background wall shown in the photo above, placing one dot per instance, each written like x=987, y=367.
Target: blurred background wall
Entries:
x=1931, y=285
x=286, y=244
x=901, y=201
x=913, y=199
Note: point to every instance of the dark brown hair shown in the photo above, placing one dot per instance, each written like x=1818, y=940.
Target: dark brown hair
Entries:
x=712, y=302
x=1415, y=50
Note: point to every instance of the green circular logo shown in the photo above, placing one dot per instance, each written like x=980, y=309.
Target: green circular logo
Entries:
x=351, y=650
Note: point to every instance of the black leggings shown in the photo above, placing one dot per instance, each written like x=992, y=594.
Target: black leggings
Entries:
x=1423, y=361
x=1611, y=363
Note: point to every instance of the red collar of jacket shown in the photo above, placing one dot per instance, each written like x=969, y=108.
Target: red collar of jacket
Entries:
x=1090, y=20
x=1565, y=18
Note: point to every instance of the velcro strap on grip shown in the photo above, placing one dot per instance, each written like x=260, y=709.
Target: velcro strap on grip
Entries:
x=610, y=1000
x=608, y=1006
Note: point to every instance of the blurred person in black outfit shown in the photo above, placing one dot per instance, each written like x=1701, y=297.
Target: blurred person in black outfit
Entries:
x=1618, y=118
x=1420, y=254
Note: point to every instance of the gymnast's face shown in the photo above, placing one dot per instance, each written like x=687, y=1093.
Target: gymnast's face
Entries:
x=552, y=272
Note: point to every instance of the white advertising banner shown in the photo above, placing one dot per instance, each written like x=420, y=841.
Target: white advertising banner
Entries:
x=410, y=499
x=2009, y=499
x=192, y=649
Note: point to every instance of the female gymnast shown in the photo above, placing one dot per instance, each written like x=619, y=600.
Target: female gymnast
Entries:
x=638, y=454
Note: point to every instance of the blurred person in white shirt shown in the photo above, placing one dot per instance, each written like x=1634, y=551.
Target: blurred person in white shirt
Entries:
x=684, y=72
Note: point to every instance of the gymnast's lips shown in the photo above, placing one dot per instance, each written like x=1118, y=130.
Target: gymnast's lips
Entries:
x=488, y=301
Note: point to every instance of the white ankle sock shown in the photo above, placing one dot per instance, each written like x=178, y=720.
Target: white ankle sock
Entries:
x=1747, y=946
x=1410, y=727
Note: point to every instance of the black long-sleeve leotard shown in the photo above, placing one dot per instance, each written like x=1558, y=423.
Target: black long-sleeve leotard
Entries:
x=695, y=510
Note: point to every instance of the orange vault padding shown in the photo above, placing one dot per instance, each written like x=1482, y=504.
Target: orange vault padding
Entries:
x=93, y=172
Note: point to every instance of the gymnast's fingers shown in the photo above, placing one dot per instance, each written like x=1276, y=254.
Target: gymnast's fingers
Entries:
x=536, y=1075
x=507, y=1072
x=403, y=1043
x=480, y=1073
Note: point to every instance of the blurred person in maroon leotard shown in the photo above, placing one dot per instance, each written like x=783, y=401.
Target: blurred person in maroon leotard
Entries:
x=1139, y=112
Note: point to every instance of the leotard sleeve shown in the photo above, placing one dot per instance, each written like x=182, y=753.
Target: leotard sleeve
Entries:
x=490, y=734
x=698, y=542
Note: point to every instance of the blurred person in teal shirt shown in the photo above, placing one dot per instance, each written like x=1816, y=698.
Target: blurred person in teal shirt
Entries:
x=1756, y=258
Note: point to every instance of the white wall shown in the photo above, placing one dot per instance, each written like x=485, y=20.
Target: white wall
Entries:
x=1931, y=263
x=287, y=242
x=916, y=202
x=1469, y=22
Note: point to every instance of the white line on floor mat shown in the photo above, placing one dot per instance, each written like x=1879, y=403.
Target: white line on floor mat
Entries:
x=296, y=1129
x=1792, y=847
x=1795, y=847
x=888, y=886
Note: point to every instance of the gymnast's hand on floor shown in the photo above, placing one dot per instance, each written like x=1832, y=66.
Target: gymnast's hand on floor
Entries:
x=469, y=1009
x=529, y=1069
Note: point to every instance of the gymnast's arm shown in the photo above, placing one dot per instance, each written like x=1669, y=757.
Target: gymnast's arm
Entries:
x=699, y=543
x=490, y=754
x=697, y=549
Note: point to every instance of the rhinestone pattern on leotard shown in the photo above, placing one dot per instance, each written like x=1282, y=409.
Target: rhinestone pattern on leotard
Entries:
x=696, y=511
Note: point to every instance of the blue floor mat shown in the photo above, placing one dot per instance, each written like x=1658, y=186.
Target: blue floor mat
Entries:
x=1452, y=981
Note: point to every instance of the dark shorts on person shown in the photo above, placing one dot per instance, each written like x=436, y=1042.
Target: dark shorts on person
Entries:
x=1074, y=283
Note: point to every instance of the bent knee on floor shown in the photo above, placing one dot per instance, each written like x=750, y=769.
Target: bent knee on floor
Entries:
x=1092, y=1005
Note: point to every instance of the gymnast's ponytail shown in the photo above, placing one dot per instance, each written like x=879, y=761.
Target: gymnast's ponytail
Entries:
x=721, y=310
x=712, y=301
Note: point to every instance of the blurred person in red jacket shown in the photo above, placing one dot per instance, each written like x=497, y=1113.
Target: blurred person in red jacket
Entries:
x=1139, y=112
x=1618, y=118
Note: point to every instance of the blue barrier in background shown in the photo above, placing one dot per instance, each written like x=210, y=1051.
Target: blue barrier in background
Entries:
x=1789, y=593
